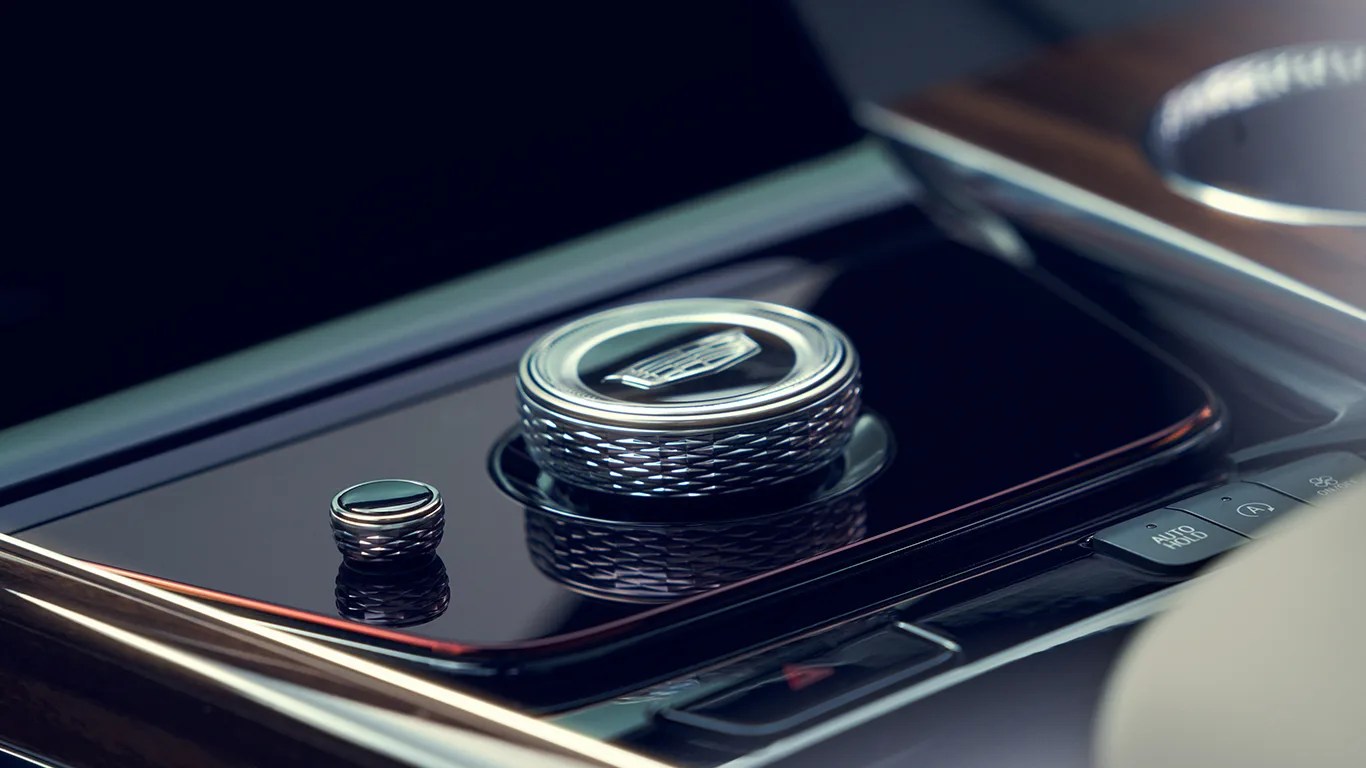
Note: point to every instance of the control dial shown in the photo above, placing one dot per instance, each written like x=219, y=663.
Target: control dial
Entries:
x=688, y=397
x=388, y=521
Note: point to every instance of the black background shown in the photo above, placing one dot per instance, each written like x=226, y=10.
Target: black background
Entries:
x=178, y=184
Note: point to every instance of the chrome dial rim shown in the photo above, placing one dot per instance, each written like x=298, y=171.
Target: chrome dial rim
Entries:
x=823, y=361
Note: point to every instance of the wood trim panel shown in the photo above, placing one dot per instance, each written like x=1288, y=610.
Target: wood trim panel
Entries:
x=98, y=669
x=1079, y=113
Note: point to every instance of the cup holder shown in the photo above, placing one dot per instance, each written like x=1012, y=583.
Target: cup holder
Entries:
x=1276, y=135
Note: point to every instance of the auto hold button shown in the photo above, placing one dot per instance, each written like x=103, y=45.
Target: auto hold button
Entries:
x=1166, y=540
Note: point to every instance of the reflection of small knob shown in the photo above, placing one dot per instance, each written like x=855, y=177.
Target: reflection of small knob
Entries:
x=690, y=397
x=386, y=521
x=393, y=595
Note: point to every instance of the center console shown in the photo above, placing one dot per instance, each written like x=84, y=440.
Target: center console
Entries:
x=839, y=495
x=751, y=501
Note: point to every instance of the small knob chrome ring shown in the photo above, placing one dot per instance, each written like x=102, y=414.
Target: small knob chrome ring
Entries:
x=387, y=521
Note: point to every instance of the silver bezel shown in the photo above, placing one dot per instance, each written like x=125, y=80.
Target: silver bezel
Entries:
x=825, y=362
x=406, y=516
x=1239, y=85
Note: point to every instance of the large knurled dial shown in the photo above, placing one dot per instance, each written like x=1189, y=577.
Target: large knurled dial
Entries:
x=688, y=397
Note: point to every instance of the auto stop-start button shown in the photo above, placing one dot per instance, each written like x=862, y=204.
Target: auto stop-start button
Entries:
x=1166, y=540
x=1245, y=508
x=1316, y=479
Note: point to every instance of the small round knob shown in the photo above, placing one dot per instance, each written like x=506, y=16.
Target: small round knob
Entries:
x=385, y=521
x=690, y=397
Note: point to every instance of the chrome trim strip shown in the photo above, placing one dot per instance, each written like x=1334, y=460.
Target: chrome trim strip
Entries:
x=1119, y=616
x=1261, y=209
x=925, y=634
x=25, y=758
x=973, y=157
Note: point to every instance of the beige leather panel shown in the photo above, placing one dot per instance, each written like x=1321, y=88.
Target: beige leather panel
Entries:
x=1262, y=662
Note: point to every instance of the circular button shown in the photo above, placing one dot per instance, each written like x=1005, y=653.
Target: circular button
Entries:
x=691, y=397
x=384, y=521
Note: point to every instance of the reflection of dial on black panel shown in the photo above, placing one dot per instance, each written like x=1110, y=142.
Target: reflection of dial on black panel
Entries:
x=623, y=550
x=691, y=397
x=638, y=562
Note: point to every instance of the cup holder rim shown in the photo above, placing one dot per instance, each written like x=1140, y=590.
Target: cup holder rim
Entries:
x=1174, y=117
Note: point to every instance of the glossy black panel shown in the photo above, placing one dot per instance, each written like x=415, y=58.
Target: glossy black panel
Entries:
x=988, y=379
